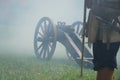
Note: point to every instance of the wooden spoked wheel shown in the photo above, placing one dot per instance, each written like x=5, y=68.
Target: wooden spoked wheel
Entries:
x=45, y=39
x=78, y=28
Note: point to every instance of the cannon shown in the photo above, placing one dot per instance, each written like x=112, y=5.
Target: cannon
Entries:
x=47, y=34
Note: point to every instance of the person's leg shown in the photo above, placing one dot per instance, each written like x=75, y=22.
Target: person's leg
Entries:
x=105, y=60
x=105, y=74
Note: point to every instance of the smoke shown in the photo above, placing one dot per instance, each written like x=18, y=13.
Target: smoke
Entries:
x=18, y=19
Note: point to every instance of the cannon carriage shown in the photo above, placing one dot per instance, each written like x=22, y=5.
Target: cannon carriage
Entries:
x=47, y=34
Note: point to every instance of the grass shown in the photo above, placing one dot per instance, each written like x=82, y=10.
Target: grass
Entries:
x=117, y=73
x=27, y=67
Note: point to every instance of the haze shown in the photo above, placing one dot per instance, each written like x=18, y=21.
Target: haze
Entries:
x=18, y=19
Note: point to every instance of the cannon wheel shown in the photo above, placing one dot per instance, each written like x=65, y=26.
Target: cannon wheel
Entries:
x=77, y=26
x=45, y=39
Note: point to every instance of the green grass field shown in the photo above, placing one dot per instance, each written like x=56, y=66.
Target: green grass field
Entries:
x=27, y=67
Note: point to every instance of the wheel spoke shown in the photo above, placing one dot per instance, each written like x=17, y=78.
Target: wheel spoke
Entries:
x=50, y=45
x=40, y=39
x=48, y=51
x=43, y=29
x=45, y=50
x=77, y=27
x=40, y=34
x=81, y=31
x=42, y=50
x=47, y=28
x=40, y=46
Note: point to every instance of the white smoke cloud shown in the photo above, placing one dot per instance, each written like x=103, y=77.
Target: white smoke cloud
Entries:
x=18, y=19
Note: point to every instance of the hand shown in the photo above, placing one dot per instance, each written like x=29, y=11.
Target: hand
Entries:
x=86, y=30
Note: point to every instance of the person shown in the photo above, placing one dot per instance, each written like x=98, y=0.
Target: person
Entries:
x=103, y=30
